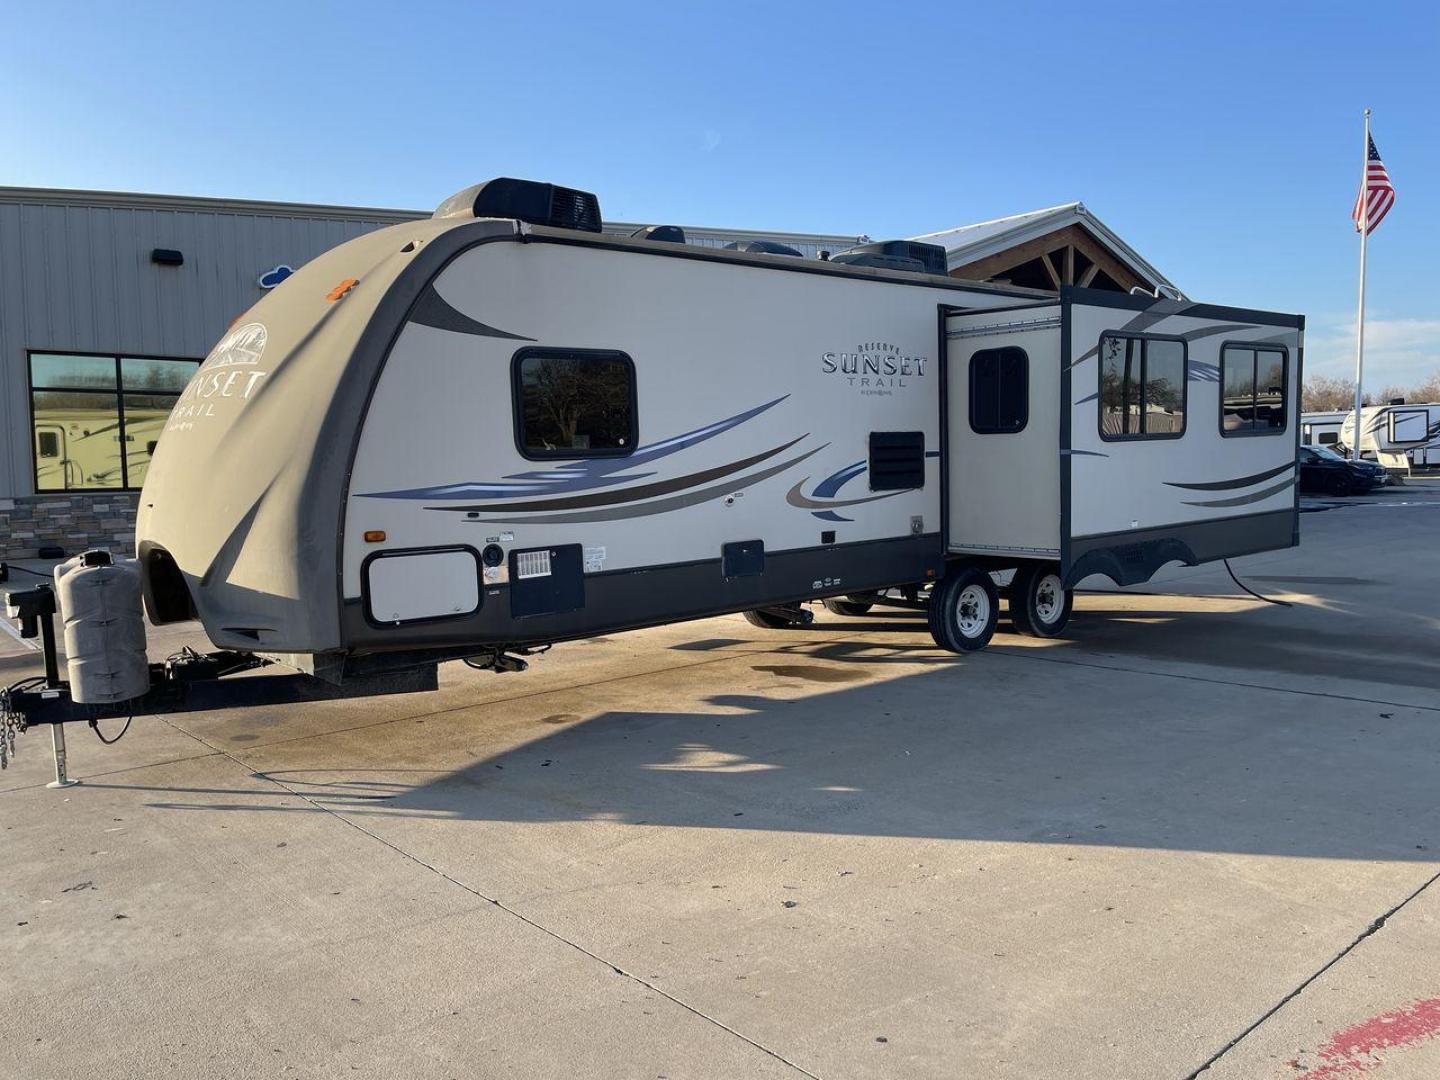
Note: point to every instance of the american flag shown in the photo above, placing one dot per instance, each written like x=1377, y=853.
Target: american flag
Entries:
x=1376, y=196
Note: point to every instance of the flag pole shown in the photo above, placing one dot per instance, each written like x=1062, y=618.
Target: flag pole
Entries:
x=1360, y=315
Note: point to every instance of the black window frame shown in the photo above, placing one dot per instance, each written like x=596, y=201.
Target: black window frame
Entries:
x=1141, y=436
x=517, y=403
x=1025, y=396
x=1255, y=349
x=116, y=394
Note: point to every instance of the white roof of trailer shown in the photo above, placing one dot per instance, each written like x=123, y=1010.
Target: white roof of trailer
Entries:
x=966, y=244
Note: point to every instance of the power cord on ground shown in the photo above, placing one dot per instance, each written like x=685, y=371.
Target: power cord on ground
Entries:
x=1268, y=599
x=95, y=726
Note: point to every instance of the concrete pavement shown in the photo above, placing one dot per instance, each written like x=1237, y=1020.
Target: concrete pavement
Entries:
x=1158, y=847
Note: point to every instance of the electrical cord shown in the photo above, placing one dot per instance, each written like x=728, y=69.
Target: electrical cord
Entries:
x=95, y=727
x=1252, y=592
x=25, y=570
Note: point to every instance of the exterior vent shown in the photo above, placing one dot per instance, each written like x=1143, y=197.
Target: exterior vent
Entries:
x=532, y=564
x=930, y=256
x=879, y=261
x=670, y=234
x=765, y=247
x=525, y=200
x=897, y=460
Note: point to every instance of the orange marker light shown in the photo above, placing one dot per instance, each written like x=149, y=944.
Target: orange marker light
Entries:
x=340, y=290
x=374, y=536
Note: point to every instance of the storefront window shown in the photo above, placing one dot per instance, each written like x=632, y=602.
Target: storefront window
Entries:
x=96, y=419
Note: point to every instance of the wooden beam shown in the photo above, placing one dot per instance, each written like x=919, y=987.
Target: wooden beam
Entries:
x=1050, y=270
x=993, y=266
x=1089, y=275
x=1069, y=275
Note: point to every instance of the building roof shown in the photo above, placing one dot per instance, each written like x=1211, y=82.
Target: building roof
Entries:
x=963, y=245
x=706, y=236
x=971, y=243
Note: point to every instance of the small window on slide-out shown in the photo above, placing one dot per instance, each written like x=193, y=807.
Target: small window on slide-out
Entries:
x=573, y=403
x=1252, y=390
x=999, y=391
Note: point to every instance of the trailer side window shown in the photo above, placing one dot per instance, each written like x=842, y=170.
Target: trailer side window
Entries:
x=999, y=391
x=574, y=403
x=1252, y=390
x=1142, y=387
x=1328, y=438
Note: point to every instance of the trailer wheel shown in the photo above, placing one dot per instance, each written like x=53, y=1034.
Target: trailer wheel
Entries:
x=1040, y=605
x=779, y=618
x=858, y=604
x=964, y=609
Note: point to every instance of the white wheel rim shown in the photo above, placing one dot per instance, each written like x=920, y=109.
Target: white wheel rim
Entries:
x=972, y=610
x=1049, y=598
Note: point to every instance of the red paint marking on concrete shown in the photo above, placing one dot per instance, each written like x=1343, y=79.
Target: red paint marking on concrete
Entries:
x=1355, y=1050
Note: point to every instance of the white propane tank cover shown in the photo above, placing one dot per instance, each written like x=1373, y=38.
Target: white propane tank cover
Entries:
x=99, y=599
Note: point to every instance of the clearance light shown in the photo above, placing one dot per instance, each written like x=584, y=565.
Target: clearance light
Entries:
x=374, y=536
x=340, y=290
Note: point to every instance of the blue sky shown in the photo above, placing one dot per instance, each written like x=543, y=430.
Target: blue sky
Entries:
x=1222, y=140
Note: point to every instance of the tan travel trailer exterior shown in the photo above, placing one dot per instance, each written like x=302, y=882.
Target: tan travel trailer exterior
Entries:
x=499, y=429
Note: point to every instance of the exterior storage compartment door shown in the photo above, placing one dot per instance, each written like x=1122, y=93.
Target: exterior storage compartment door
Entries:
x=404, y=587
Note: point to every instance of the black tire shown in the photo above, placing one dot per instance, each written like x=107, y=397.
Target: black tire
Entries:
x=771, y=619
x=1339, y=484
x=964, y=609
x=1040, y=605
x=849, y=605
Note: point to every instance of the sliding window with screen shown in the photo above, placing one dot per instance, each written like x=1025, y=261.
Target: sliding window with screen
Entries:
x=95, y=420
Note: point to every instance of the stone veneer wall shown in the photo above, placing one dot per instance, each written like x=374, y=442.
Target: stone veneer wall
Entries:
x=74, y=523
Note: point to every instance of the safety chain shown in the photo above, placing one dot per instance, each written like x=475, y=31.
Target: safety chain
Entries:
x=10, y=722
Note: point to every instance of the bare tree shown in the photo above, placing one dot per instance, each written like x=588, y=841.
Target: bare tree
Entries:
x=1324, y=393
x=1427, y=391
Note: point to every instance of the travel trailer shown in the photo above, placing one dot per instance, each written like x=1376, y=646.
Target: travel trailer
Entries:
x=1394, y=434
x=1321, y=428
x=481, y=434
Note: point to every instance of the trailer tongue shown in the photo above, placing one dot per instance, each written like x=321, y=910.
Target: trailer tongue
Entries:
x=188, y=681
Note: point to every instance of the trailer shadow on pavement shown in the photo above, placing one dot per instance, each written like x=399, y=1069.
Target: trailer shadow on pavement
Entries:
x=1190, y=720
x=891, y=738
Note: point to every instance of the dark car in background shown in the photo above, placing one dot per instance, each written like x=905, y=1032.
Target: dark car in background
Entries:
x=1323, y=470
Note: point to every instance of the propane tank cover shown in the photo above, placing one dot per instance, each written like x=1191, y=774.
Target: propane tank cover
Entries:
x=99, y=599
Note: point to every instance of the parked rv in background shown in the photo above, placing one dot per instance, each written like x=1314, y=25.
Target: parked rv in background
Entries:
x=1397, y=436
x=1321, y=428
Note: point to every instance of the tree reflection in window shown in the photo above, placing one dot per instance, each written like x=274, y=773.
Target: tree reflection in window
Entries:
x=575, y=403
x=1142, y=387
